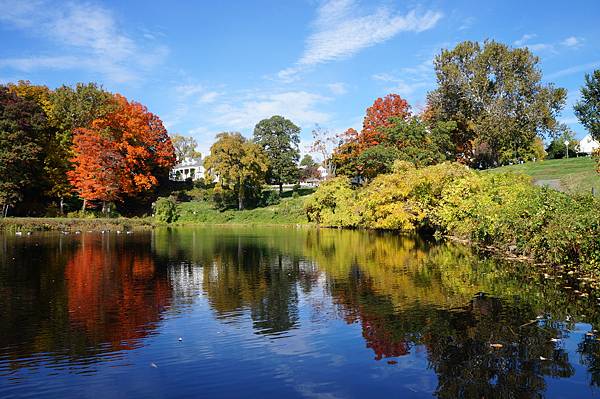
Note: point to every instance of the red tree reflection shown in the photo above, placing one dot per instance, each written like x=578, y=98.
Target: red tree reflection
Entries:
x=114, y=293
x=378, y=326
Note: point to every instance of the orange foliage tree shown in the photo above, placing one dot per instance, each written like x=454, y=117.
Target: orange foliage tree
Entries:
x=98, y=165
x=377, y=118
x=128, y=148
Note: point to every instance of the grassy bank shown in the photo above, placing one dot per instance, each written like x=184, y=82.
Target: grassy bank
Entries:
x=288, y=211
x=573, y=175
x=11, y=224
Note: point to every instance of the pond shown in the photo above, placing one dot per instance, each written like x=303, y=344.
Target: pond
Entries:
x=222, y=312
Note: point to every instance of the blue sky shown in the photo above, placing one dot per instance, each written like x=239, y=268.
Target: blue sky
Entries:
x=206, y=67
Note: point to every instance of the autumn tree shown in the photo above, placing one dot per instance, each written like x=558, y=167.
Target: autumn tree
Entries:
x=98, y=167
x=185, y=147
x=239, y=165
x=587, y=109
x=71, y=108
x=378, y=117
x=22, y=141
x=279, y=138
x=495, y=95
x=133, y=138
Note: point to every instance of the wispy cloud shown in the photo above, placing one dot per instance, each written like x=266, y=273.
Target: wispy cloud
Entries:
x=572, y=41
x=299, y=106
x=574, y=69
x=239, y=110
x=87, y=35
x=410, y=82
x=342, y=29
x=199, y=92
x=338, y=88
x=526, y=41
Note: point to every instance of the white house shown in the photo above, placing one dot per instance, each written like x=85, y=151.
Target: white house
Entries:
x=189, y=168
x=588, y=145
x=323, y=172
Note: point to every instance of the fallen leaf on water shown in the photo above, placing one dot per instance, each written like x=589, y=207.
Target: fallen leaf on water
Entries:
x=496, y=346
x=392, y=362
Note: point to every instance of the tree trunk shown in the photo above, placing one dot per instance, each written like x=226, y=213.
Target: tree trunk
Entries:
x=280, y=187
x=241, y=197
x=62, y=206
x=84, y=204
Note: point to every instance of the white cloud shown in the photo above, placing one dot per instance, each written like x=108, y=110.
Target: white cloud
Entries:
x=341, y=30
x=338, y=88
x=202, y=95
x=410, y=82
x=524, y=39
x=88, y=36
x=571, y=41
x=300, y=107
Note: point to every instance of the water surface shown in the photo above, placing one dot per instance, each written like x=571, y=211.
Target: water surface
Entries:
x=284, y=312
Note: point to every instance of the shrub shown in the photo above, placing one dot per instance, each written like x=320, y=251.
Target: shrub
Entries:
x=165, y=210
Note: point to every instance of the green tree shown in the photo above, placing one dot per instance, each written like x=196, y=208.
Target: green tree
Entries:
x=279, y=138
x=238, y=165
x=23, y=128
x=587, y=109
x=185, y=147
x=557, y=148
x=495, y=95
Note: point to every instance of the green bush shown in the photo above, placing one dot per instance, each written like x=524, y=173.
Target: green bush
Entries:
x=165, y=210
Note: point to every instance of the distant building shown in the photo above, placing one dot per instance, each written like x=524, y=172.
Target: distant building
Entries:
x=189, y=168
x=588, y=145
x=323, y=172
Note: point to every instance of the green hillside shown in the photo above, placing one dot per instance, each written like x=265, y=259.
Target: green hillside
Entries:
x=570, y=175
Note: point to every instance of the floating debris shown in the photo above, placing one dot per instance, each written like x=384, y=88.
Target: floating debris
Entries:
x=554, y=340
x=543, y=358
x=180, y=339
x=153, y=365
x=496, y=346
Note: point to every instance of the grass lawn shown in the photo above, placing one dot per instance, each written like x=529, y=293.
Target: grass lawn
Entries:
x=570, y=175
x=289, y=211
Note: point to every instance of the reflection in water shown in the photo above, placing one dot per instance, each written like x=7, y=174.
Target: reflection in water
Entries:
x=78, y=300
x=485, y=329
x=113, y=292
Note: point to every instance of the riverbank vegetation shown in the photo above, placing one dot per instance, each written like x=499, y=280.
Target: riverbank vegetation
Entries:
x=417, y=173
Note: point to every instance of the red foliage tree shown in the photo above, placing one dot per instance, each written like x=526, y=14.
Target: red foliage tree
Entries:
x=378, y=116
x=129, y=145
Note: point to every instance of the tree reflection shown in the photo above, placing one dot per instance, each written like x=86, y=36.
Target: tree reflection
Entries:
x=78, y=297
x=114, y=294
